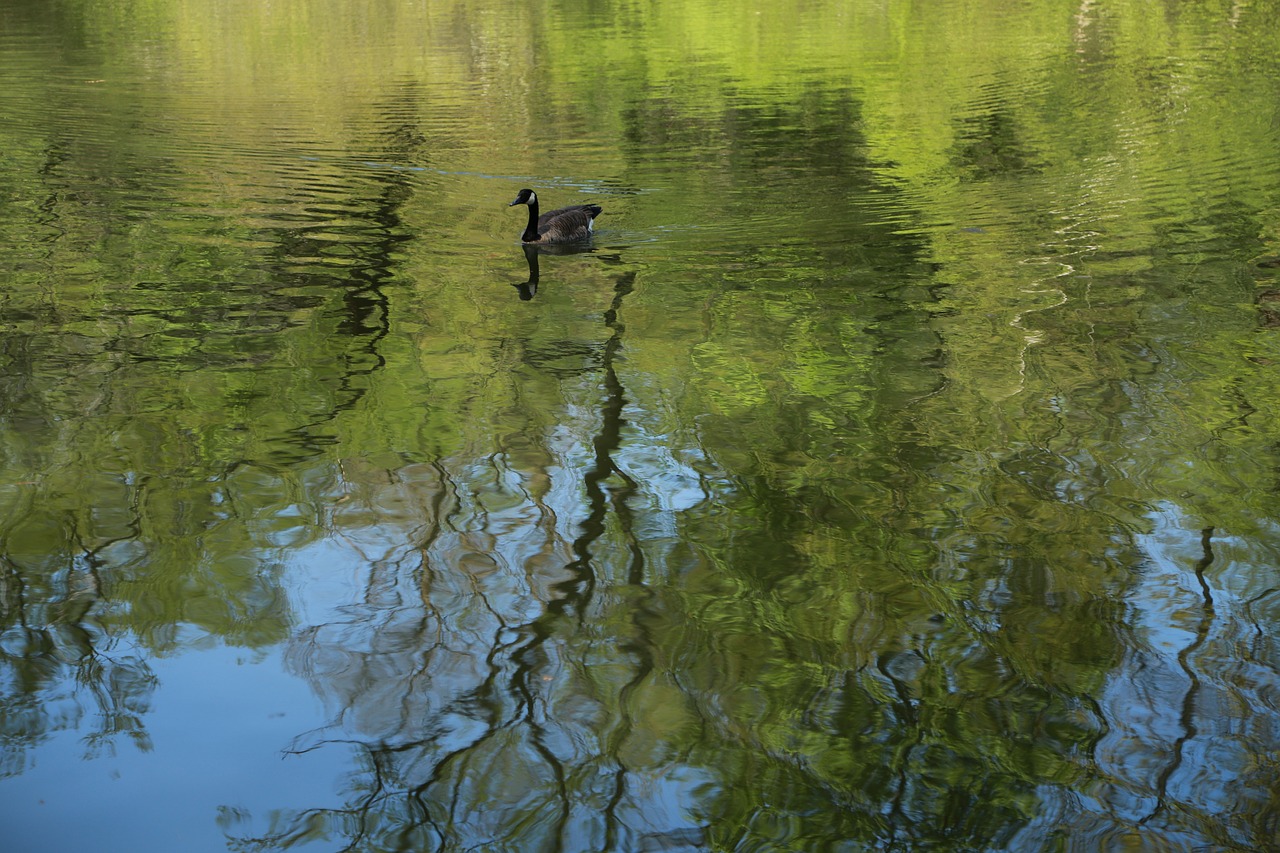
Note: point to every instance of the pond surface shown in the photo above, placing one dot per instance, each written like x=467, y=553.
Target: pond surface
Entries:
x=896, y=469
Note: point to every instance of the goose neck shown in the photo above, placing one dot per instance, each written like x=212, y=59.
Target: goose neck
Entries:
x=531, y=230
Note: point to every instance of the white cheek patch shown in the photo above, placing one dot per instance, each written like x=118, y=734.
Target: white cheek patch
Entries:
x=533, y=198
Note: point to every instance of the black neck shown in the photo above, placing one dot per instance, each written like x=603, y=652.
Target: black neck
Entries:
x=531, y=231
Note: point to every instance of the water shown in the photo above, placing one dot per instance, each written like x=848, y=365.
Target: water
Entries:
x=894, y=470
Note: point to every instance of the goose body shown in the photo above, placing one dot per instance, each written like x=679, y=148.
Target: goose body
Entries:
x=564, y=225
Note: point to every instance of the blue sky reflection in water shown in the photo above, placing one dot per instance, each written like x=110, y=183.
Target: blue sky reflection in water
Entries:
x=896, y=469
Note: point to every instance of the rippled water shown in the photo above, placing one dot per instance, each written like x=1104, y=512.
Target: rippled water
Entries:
x=895, y=469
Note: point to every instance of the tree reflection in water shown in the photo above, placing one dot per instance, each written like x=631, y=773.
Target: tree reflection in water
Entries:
x=486, y=676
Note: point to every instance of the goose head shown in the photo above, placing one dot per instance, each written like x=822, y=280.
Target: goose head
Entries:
x=525, y=197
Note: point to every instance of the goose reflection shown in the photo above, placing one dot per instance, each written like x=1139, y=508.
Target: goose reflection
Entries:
x=528, y=289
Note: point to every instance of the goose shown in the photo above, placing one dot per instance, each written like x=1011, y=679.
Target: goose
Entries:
x=559, y=226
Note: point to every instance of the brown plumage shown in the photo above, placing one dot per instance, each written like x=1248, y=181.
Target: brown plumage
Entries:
x=559, y=226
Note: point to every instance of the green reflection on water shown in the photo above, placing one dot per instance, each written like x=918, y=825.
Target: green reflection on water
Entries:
x=895, y=469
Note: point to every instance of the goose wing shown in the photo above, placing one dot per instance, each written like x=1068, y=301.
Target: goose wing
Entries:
x=567, y=222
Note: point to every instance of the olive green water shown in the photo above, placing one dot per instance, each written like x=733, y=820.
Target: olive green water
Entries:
x=897, y=468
